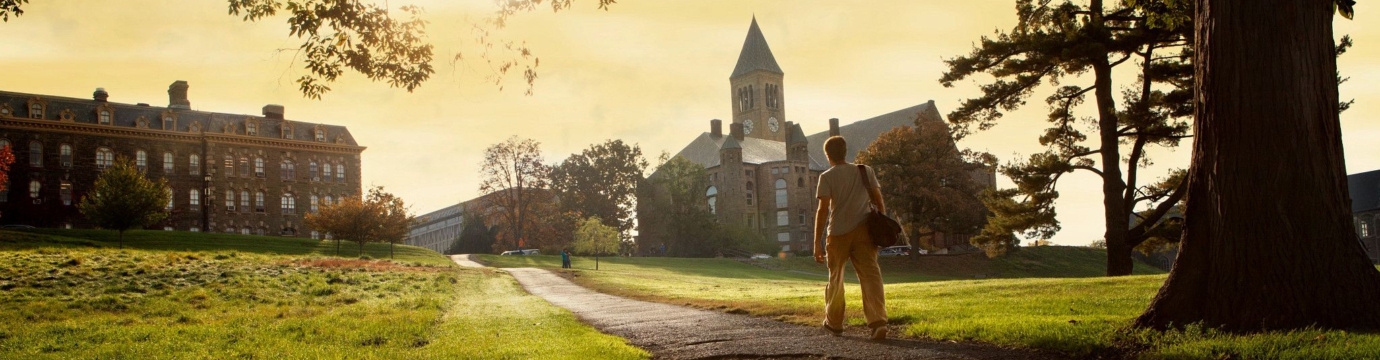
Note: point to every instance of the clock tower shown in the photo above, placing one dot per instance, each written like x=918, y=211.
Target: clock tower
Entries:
x=756, y=92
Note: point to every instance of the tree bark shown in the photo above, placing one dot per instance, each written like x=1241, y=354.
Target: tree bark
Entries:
x=1268, y=240
x=1114, y=214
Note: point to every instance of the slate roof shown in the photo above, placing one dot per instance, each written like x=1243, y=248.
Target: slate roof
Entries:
x=861, y=133
x=704, y=150
x=126, y=115
x=756, y=55
x=1365, y=191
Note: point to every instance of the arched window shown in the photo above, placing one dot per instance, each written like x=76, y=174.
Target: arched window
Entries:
x=34, y=188
x=288, y=170
x=314, y=202
x=169, y=123
x=326, y=172
x=340, y=172
x=259, y=166
x=313, y=170
x=194, y=198
x=36, y=110
x=170, y=198
x=244, y=230
x=781, y=193
x=244, y=167
x=105, y=117
x=229, y=200
x=104, y=157
x=141, y=160
x=320, y=135
x=35, y=154
x=712, y=194
x=167, y=163
x=289, y=204
x=229, y=166
x=194, y=164
x=66, y=151
x=259, y=201
x=328, y=201
x=244, y=200
x=65, y=190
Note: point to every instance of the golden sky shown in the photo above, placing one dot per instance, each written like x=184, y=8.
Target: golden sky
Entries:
x=647, y=72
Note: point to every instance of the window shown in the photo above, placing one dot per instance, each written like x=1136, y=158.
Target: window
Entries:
x=328, y=201
x=167, y=163
x=320, y=135
x=340, y=172
x=194, y=198
x=712, y=194
x=5, y=110
x=259, y=167
x=244, y=230
x=783, y=236
x=230, y=200
x=34, y=187
x=244, y=200
x=313, y=170
x=35, y=154
x=287, y=130
x=326, y=172
x=244, y=167
x=170, y=199
x=105, y=117
x=251, y=128
x=194, y=229
x=750, y=220
x=315, y=235
x=1365, y=229
x=781, y=193
x=748, y=193
x=229, y=166
x=66, y=152
x=289, y=204
x=169, y=123
x=141, y=160
x=314, y=201
x=104, y=158
x=167, y=228
x=801, y=217
x=259, y=201
x=65, y=189
x=775, y=171
x=800, y=182
x=36, y=111
x=194, y=164
x=783, y=218
x=288, y=170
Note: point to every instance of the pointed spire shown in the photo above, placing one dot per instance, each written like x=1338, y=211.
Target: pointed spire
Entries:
x=756, y=55
x=797, y=134
x=730, y=143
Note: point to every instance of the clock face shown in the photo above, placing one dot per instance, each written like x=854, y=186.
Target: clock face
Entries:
x=747, y=126
x=774, y=125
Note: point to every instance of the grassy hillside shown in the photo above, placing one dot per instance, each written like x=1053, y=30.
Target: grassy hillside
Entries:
x=74, y=296
x=1050, y=298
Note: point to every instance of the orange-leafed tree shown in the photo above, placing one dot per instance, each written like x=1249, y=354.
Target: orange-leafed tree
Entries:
x=379, y=217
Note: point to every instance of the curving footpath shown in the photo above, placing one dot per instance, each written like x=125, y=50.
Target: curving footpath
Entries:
x=677, y=332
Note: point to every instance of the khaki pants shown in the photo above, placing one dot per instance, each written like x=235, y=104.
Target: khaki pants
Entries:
x=857, y=246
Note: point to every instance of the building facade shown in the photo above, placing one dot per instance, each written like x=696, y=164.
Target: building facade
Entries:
x=1365, y=210
x=227, y=172
x=763, y=171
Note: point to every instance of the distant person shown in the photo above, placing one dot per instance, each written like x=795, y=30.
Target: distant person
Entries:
x=565, y=259
x=843, y=203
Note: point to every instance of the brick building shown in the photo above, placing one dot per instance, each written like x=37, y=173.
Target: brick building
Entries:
x=1365, y=210
x=227, y=172
x=763, y=171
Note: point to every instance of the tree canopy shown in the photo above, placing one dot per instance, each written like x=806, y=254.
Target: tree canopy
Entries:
x=601, y=182
x=379, y=217
x=122, y=199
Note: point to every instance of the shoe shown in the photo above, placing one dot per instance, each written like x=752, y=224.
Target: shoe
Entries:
x=831, y=330
x=879, y=333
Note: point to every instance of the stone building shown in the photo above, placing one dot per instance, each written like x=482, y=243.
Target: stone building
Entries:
x=227, y=172
x=763, y=170
x=1365, y=210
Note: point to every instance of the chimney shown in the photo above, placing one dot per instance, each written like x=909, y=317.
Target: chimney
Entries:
x=736, y=131
x=273, y=111
x=177, y=95
x=834, y=127
x=716, y=128
x=100, y=94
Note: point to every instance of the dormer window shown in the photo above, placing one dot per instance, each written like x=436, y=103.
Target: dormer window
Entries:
x=320, y=135
x=169, y=123
x=251, y=128
x=6, y=110
x=36, y=108
x=287, y=130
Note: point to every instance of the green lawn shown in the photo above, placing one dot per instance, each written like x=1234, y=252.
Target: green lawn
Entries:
x=70, y=294
x=1043, y=298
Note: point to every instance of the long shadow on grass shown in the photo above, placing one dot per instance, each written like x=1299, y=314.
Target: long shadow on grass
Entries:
x=190, y=241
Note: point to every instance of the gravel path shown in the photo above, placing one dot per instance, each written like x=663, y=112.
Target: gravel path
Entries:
x=676, y=332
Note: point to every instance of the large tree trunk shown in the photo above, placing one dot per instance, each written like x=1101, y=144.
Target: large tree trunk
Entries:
x=1114, y=218
x=1268, y=242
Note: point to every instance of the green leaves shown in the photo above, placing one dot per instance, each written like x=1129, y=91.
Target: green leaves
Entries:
x=123, y=198
x=1344, y=7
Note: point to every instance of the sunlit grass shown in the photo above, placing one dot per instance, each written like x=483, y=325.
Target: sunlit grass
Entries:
x=1059, y=303
x=66, y=298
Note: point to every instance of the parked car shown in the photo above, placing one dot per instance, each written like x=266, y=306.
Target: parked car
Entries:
x=520, y=252
x=760, y=256
x=900, y=250
x=16, y=226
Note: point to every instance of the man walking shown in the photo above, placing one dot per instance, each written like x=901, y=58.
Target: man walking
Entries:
x=565, y=259
x=844, y=199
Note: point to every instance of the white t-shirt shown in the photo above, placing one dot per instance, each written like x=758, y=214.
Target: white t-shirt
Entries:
x=849, y=202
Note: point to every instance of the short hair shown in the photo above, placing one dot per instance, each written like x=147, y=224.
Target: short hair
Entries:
x=835, y=148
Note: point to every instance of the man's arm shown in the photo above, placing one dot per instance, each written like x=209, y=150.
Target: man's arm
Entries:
x=821, y=221
x=876, y=195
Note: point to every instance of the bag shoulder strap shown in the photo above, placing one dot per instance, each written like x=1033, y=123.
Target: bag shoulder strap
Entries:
x=867, y=183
